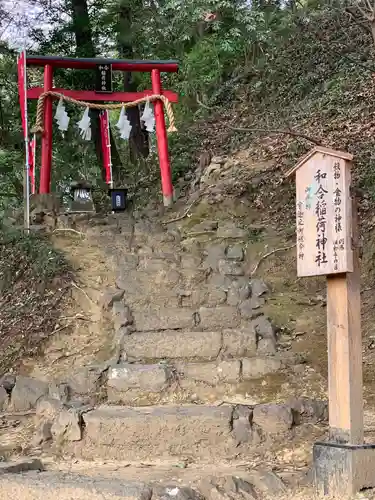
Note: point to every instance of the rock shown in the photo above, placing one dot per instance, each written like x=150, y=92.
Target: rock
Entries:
x=242, y=411
x=267, y=346
x=132, y=285
x=47, y=410
x=219, y=160
x=273, y=418
x=267, y=482
x=67, y=426
x=233, y=297
x=230, y=230
x=42, y=434
x=245, y=489
x=238, y=292
x=128, y=262
x=220, y=281
x=206, y=225
x=309, y=410
x=258, y=287
x=153, y=265
x=194, y=278
x=216, y=297
x=190, y=261
x=230, y=268
x=293, y=358
x=171, y=344
x=227, y=488
x=22, y=465
x=26, y=393
x=169, y=278
x=240, y=342
x=147, y=228
x=246, y=309
x=218, y=317
x=171, y=257
x=118, y=343
x=235, y=252
x=86, y=381
x=299, y=369
x=110, y=296
x=257, y=367
x=8, y=381
x=171, y=318
x=60, y=391
x=257, y=302
x=4, y=399
x=213, y=373
x=214, y=254
x=242, y=417
x=243, y=289
x=263, y=327
x=136, y=378
x=122, y=316
x=211, y=169
x=176, y=493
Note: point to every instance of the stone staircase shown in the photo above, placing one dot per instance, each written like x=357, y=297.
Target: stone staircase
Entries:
x=190, y=340
x=192, y=357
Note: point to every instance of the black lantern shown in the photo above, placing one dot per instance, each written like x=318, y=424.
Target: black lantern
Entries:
x=118, y=199
x=82, y=199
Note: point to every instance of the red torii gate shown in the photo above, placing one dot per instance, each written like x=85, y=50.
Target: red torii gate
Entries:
x=154, y=67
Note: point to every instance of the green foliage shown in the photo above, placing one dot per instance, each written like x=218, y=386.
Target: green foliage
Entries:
x=32, y=255
x=11, y=139
x=183, y=146
x=34, y=281
x=285, y=61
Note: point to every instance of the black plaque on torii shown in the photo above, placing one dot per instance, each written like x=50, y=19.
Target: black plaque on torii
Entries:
x=103, y=79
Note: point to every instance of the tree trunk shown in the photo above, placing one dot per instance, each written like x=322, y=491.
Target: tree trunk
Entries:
x=85, y=48
x=82, y=29
x=138, y=140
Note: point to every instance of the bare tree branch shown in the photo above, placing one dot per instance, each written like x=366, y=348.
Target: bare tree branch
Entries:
x=364, y=13
x=370, y=8
x=357, y=21
x=277, y=131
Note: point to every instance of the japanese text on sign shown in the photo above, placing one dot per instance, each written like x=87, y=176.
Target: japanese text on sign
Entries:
x=103, y=78
x=323, y=215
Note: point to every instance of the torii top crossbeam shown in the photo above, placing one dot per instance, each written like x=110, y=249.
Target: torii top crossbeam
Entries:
x=91, y=63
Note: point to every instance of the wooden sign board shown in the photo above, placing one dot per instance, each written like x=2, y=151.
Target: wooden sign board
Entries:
x=103, y=80
x=324, y=213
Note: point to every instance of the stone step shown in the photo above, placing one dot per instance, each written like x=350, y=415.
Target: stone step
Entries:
x=197, y=345
x=68, y=486
x=125, y=433
x=142, y=384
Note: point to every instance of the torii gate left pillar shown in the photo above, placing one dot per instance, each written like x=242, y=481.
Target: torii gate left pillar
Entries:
x=153, y=67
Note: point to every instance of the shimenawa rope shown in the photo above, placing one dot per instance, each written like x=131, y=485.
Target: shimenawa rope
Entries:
x=38, y=127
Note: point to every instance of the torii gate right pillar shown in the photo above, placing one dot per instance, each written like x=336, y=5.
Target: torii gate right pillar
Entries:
x=46, y=163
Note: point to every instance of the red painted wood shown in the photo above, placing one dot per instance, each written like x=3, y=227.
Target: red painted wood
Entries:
x=46, y=162
x=117, y=64
x=90, y=95
x=162, y=141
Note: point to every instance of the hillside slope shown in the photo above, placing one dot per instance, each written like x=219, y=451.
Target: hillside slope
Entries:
x=187, y=336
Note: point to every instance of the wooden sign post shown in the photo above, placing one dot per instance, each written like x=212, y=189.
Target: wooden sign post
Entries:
x=327, y=244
